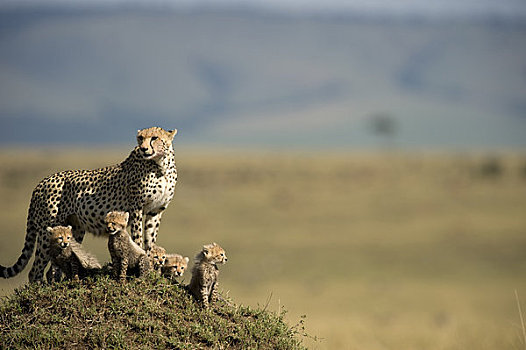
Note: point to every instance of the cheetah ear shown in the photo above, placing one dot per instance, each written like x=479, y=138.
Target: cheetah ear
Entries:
x=172, y=133
x=207, y=247
x=69, y=227
x=49, y=229
x=126, y=216
x=186, y=259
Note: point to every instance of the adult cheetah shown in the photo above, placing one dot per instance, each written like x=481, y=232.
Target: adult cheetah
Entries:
x=143, y=185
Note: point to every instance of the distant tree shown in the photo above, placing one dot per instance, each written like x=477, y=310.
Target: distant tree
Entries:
x=384, y=125
x=491, y=167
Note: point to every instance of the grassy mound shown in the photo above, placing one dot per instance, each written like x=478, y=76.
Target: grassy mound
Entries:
x=149, y=313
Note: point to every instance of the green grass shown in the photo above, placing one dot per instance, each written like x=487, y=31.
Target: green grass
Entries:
x=149, y=313
x=380, y=251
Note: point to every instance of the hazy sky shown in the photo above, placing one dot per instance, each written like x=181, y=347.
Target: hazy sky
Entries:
x=233, y=78
x=462, y=8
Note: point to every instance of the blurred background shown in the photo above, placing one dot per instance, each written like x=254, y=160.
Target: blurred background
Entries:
x=363, y=163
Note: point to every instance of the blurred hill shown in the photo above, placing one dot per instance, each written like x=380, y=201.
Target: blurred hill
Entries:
x=260, y=79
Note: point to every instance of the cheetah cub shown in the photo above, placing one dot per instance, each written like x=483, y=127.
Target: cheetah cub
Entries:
x=125, y=254
x=157, y=257
x=204, y=273
x=175, y=265
x=68, y=255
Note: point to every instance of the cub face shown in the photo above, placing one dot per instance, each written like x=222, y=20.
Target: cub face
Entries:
x=116, y=221
x=60, y=236
x=157, y=256
x=154, y=142
x=175, y=265
x=214, y=254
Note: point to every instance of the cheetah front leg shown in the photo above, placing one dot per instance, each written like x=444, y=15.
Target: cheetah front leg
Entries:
x=151, y=228
x=144, y=265
x=54, y=274
x=75, y=267
x=213, y=293
x=136, y=226
x=121, y=270
x=204, y=297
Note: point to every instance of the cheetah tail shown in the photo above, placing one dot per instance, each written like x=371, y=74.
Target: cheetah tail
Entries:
x=23, y=259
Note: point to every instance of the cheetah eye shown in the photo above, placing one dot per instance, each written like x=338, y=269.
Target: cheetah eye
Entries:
x=156, y=257
x=222, y=254
x=182, y=267
x=164, y=257
x=154, y=138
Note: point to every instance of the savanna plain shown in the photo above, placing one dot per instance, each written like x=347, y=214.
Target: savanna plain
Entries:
x=379, y=250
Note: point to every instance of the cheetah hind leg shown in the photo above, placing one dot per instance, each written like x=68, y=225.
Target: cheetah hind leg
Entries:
x=42, y=258
x=76, y=228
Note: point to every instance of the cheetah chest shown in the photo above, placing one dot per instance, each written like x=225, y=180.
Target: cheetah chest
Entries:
x=159, y=193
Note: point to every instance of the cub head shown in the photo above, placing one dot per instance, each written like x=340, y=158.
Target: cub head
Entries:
x=157, y=256
x=214, y=254
x=116, y=221
x=155, y=142
x=60, y=236
x=175, y=265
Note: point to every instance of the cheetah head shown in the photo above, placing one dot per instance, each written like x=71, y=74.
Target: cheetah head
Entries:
x=116, y=221
x=155, y=142
x=175, y=265
x=157, y=256
x=214, y=254
x=60, y=236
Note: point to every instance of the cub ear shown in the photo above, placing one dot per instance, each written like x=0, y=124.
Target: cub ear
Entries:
x=49, y=229
x=126, y=216
x=69, y=227
x=186, y=259
x=172, y=133
x=207, y=247
x=206, y=250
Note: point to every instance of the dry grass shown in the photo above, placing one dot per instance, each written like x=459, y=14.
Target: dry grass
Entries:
x=379, y=251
